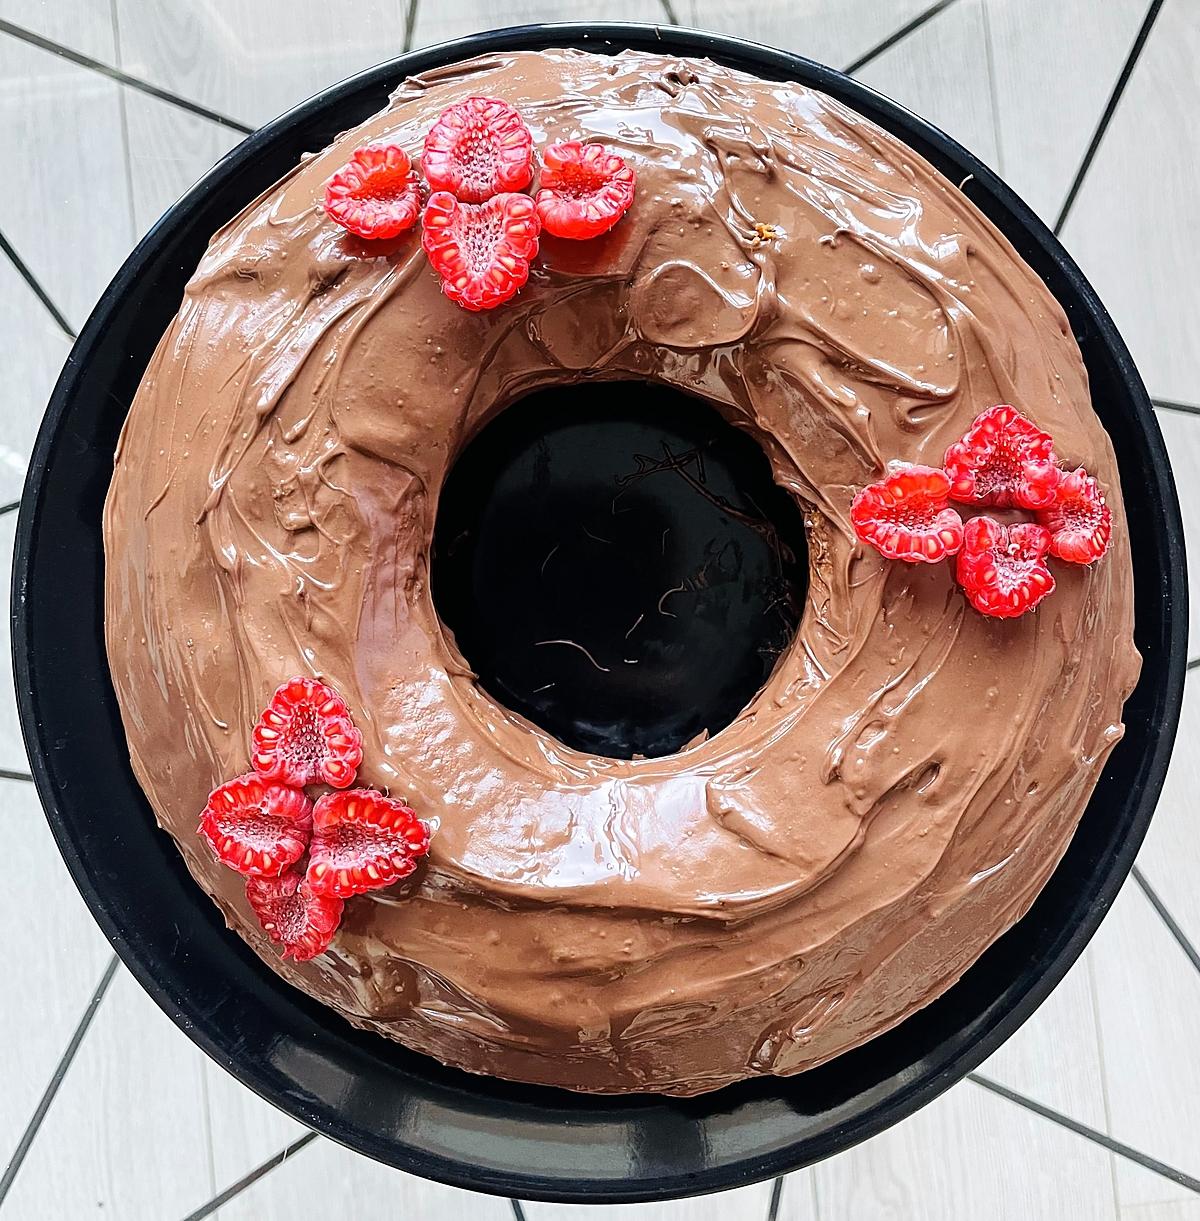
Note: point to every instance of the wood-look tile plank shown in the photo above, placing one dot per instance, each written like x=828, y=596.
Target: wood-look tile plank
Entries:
x=82, y=25
x=1055, y=1058
x=798, y=1200
x=127, y=1134
x=969, y=1154
x=254, y=61
x=832, y=32
x=34, y=350
x=325, y=1180
x=53, y=965
x=67, y=210
x=246, y=1131
x=437, y=22
x=1149, y=998
x=169, y=150
x=1176, y=1210
x=1055, y=65
x=941, y=72
x=1133, y=226
x=743, y=1202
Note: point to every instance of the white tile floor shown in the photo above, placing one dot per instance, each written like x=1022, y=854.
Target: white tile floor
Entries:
x=96, y=153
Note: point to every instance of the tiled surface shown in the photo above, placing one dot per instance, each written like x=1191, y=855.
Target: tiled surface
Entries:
x=142, y=1125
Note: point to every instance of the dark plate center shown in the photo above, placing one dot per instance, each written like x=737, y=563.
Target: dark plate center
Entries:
x=617, y=566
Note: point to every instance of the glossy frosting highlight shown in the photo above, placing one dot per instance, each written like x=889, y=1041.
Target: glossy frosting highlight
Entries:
x=888, y=804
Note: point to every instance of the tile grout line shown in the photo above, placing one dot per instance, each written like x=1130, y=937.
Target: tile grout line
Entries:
x=1161, y=908
x=6, y=774
x=1144, y=1160
x=8, y=508
x=117, y=74
x=206, y=1108
x=122, y=103
x=60, y=1072
x=248, y=1180
x=42, y=295
x=1110, y=109
x=1193, y=663
x=668, y=9
x=1094, y=997
x=410, y=25
x=989, y=57
x=517, y=1211
x=1170, y=405
x=899, y=35
x=776, y=1198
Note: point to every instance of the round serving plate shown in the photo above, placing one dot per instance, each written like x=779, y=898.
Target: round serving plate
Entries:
x=372, y=1094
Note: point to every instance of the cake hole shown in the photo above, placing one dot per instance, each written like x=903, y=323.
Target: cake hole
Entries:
x=617, y=566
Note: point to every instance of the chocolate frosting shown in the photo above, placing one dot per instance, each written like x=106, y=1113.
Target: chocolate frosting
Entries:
x=887, y=805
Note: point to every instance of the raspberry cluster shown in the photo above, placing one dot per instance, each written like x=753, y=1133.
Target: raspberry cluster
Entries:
x=479, y=231
x=302, y=860
x=1005, y=461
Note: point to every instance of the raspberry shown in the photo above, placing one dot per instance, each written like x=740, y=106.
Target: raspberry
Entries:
x=584, y=191
x=1079, y=521
x=906, y=516
x=375, y=193
x=481, y=251
x=256, y=827
x=1002, y=569
x=362, y=841
x=478, y=148
x=1004, y=460
x=299, y=920
x=305, y=735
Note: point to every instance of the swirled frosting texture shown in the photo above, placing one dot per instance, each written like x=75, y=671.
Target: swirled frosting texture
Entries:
x=887, y=805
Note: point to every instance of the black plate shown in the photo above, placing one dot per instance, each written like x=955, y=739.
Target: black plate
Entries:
x=370, y=1094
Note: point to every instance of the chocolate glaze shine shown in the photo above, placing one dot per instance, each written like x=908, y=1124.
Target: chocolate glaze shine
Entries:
x=889, y=803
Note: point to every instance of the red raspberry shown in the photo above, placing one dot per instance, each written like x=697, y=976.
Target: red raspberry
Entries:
x=906, y=516
x=1079, y=521
x=1004, y=460
x=256, y=827
x=299, y=920
x=478, y=148
x=375, y=193
x=1002, y=569
x=481, y=251
x=305, y=736
x=584, y=191
x=362, y=841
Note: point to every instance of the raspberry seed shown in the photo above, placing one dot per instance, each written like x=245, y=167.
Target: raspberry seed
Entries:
x=478, y=148
x=585, y=190
x=1079, y=520
x=256, y=827
x=305, y=736
x=363, y=841
x=375, y=194
x=907, y=516
x=293, y=915
x=481, y=251
x=1004, y=460
x=1002, y=569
